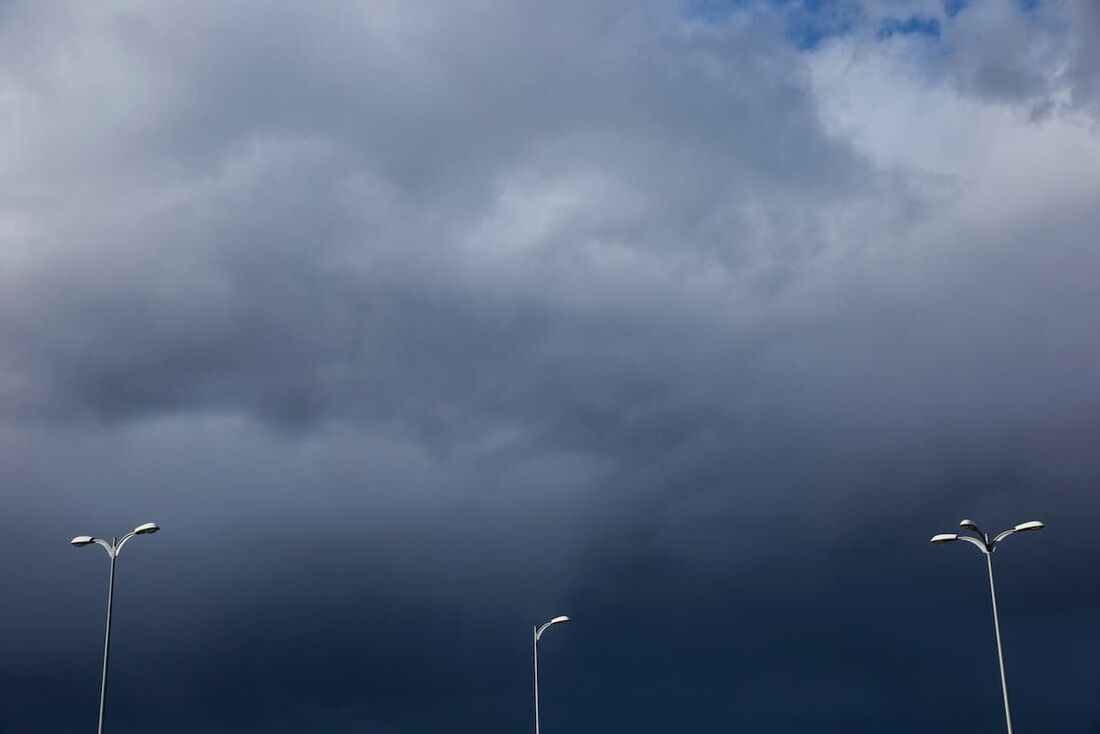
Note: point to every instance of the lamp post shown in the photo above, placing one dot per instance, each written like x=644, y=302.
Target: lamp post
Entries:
x=113, y=548
x=982, y=542
x=538, y=633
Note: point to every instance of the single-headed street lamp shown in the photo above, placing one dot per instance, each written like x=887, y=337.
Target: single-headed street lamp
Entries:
x=982, y=542
x=113, y=548
x=538, y=633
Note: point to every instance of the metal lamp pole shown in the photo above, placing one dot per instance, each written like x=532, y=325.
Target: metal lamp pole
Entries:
x=982, y=542
x=537, y=634
x=113, y=548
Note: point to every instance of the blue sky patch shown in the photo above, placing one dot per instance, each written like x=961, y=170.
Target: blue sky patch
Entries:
x=951, y=8
x=806, y=22
x=809, y=22
x=914, y=25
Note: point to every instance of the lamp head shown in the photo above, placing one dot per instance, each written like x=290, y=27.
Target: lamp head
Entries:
x=147, y=529
x=944, y=537
x=559, y=620
x=82, y=540
x=969, y=525
x=1030, y=525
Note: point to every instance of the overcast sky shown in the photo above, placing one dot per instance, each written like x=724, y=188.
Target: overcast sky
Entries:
x=416, y=323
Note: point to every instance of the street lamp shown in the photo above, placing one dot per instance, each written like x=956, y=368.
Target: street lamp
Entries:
x=113, y=548
x=538, y=633
x=987, y=546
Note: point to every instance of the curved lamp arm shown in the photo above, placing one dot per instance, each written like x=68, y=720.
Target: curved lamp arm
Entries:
x=546, y=625
x=952, y=537
x=122, y=541
x=980, y=545
x=147, y=528
x=1021, y=528
x=82, y=540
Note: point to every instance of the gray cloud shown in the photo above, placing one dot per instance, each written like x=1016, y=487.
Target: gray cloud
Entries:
x=1040, y=56
x=412, y=324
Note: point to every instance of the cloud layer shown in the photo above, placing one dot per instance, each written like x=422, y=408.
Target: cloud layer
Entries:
x=415, y=324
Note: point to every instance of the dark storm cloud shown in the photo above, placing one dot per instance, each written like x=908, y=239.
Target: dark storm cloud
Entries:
x=414, y=325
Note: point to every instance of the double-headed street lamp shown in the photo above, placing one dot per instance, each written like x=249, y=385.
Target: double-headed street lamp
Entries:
x=538, y=633
x=982, y=542
x=113, y=548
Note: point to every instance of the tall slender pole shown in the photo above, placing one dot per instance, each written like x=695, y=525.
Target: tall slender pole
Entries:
x=107, y=636
x=997, y=631
x=535, y=637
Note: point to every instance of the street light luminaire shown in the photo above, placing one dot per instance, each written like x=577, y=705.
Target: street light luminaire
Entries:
x=113, y=548
x=537, y=633
x=987, y=545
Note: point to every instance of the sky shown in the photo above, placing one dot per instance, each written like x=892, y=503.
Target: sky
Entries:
x=417, y=324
